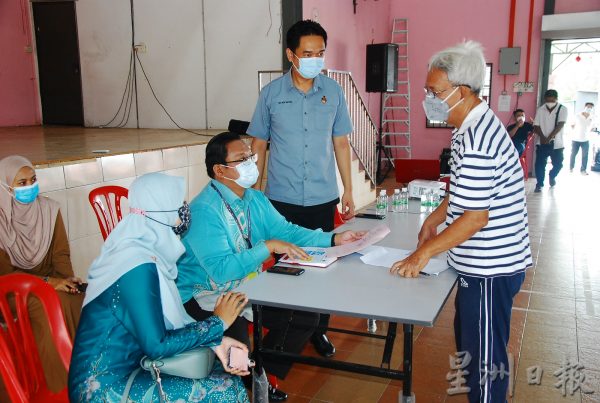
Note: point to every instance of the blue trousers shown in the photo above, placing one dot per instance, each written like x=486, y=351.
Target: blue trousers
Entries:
x=542, y=152
x=482, y=328
x=585, y=149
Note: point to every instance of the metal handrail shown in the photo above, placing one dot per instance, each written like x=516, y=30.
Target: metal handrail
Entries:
x=364, y=134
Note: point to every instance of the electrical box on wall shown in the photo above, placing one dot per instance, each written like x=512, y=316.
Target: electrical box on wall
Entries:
x=510, y=61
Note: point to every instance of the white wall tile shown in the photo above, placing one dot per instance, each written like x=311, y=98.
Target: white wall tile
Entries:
x=51, y=179
x=175, y=157
x=197, y=154
x=83, y=173
x=83, y=252
x=118, y=167
x=183, y=172
x=61, y=197
x=197, y=180
x=82, y=220
x=147, y=162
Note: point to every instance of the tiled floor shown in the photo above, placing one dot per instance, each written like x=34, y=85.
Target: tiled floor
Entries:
x=555, y=316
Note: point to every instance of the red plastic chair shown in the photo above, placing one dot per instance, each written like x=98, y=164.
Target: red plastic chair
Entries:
x=20, y=364
x=524, y=158
x=106, y=203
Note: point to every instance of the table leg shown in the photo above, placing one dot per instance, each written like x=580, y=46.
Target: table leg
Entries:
x=407, y=395
x=257, y=314
x=389, y=344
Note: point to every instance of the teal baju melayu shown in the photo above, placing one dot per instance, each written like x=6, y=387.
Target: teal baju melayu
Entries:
x=126, y=322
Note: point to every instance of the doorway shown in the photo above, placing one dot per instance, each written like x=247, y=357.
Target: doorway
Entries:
x=55, y=26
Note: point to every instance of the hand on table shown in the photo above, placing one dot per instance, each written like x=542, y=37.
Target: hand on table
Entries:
x=281, y=247
x=410, y=266
x=222, y=352
x=348, y=236
x=229, y=306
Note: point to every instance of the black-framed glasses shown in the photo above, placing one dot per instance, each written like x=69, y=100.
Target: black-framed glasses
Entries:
x=432, y=94
x=251, y=157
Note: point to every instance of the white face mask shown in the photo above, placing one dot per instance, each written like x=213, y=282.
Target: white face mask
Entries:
x=588, y=110
x=550, y=104
x=521, y=119
x=248, y=174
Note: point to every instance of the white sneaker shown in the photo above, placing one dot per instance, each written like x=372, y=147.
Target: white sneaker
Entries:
x=584, y=173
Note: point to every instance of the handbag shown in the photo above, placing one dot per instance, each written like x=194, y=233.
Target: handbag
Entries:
x=196, y=363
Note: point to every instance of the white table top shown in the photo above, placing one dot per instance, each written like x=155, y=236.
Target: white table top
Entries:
x=351, y=288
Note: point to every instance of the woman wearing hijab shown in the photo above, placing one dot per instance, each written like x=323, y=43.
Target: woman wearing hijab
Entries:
x=132, y=308
x=33, y=240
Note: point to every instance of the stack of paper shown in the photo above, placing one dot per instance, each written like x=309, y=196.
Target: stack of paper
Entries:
x=386, y=257
x=317, y=257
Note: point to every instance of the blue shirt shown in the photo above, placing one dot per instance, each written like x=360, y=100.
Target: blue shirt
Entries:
x=300, y=127
x=217, y=258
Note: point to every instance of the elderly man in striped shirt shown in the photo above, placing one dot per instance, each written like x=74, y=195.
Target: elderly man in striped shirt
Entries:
x=485, y=212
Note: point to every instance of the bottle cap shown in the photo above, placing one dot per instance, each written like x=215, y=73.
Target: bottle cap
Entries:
x=404, y=189
x=396, y=191
x=382, y=192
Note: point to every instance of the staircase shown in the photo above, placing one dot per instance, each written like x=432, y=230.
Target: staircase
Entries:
x=362, y=139
x=396, y=106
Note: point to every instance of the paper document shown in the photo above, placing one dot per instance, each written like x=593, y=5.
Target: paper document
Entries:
x=386, y=257
x=316, y=257
x=375, y=235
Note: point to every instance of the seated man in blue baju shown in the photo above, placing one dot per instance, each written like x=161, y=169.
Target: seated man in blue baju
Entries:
x=235, y=229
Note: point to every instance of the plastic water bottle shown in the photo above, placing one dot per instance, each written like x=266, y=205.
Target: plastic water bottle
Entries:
x=431, y=200
x=381, y=205
x=424, y=203
x=396, y=201
x=404, y=199
x=371, y=326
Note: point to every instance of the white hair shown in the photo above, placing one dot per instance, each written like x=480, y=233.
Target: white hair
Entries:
x=463, y=63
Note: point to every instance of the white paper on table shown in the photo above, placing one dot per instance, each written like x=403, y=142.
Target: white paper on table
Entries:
x=386, y=257
x=375, y=235
x=370, y=249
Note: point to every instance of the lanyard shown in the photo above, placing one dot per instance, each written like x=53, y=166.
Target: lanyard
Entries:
x=246, y=237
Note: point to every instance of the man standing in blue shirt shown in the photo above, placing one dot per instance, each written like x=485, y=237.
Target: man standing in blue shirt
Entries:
x=235, y=229
x=304, y=116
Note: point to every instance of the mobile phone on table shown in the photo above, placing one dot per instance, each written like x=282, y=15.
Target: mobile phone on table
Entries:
x=290, y=271
x=369, y=215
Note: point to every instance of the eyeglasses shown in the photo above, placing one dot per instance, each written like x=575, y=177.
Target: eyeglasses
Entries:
x=432, y=94
x=251, y=157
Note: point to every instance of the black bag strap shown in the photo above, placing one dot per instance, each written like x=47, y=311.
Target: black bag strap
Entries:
x=556, y=117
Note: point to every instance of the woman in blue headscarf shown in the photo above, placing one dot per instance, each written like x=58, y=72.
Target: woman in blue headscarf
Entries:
x=132, y=308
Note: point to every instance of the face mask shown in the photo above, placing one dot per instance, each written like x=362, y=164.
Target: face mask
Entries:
x=589, y=110
x=185, y=217
x=248, y=174
x=26, y=194
x=550, y=105
x=521, y=118
x=437, y=109
x=310, y=67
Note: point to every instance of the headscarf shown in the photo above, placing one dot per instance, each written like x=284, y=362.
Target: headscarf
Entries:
x=137, y=240
x=26, y=230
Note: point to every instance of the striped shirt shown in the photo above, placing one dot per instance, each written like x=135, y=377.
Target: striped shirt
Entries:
x=486, y=175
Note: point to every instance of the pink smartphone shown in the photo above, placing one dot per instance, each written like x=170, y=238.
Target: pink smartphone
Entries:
x=238, y=359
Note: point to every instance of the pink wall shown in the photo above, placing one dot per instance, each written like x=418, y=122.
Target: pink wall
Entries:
x=433, y=25
x=576, y=6
x=18, y=86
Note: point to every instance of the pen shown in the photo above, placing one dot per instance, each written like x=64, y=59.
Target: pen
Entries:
x=425, y=274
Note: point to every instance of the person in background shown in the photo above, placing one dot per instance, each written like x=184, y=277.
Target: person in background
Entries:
x=548, y=126
x=236, y=230
x=305, y=118
x=520, y=131
x=485, y=212
x=582, y=132
x=33, y=240
x=132, y=309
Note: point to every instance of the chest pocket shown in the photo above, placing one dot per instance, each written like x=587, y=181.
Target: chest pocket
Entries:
x=322, y=117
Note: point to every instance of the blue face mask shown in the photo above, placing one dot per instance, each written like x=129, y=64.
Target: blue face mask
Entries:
x=26, y=194
x=437, y=109
x=310, y=67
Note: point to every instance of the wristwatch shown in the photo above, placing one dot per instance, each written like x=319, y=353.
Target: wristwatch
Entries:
x=333, y=239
